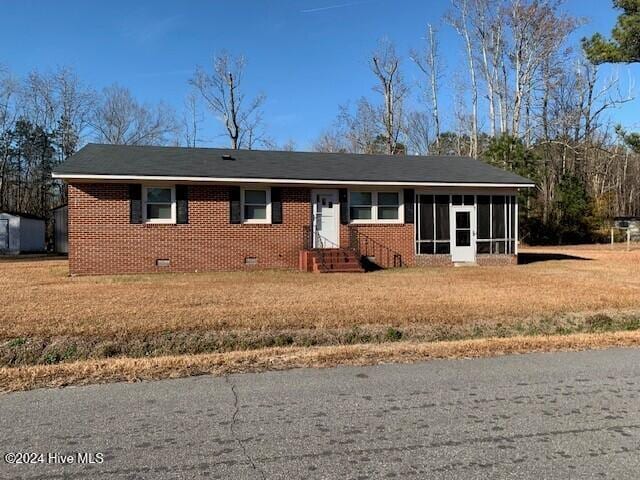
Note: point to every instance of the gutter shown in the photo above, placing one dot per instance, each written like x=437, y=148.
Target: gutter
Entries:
x=285, y=181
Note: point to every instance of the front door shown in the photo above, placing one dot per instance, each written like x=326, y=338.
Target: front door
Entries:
x=463, y=234
x=326, y=219
x=4, y=234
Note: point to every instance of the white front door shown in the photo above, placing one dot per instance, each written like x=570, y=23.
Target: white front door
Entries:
x=326, y=219
x=463, y=234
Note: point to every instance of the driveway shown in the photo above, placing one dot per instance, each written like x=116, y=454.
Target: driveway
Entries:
x=559, y=415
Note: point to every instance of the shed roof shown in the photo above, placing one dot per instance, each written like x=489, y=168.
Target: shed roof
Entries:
x=216, y=164
x=22, y=214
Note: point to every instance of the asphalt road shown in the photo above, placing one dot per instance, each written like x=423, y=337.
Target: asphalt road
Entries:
x=561, y=415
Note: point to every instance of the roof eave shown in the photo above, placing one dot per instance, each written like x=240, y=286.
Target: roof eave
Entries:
x=84, y=177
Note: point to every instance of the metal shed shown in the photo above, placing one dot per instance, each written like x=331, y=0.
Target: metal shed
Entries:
x=21, y=233
x=60, y=229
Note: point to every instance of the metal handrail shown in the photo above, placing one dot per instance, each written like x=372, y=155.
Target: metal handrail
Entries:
x=372, y=247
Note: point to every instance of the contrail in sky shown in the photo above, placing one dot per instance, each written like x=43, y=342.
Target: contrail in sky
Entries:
x=332, y=7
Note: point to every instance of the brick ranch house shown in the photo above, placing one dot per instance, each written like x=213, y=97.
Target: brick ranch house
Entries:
x=147, y=209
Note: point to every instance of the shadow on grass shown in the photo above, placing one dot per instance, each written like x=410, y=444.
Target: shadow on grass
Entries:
x=35, y=257
x=369, y=265
x=526, y=258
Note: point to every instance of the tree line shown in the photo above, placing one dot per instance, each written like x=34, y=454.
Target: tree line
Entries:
x=525, y=99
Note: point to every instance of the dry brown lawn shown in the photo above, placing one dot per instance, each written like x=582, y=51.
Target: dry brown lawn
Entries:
x=60, y=330
x=41, y=300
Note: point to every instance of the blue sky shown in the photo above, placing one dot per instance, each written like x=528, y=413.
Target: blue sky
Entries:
x=308, y=56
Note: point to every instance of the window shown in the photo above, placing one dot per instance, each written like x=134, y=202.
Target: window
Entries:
x=388, y=205
x=159, y=204
x=361, y=205
x=462, y=200
x=375, y=207
x=496, y=222
x=256, y=206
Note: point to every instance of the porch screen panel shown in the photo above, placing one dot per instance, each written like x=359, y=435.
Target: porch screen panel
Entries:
x=426, y=224
x=432, y=233
x=424, y=240
x=512, y=230
x=498, y=223
x=442, y=217
x=443, y=233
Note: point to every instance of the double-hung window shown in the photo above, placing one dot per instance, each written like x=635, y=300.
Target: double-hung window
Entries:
x=256, y=205
x=361, y=206
x=375, y=207
x=159, y=204
x=388, y=206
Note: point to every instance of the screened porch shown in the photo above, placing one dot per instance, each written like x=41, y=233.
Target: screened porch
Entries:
x=464, y=225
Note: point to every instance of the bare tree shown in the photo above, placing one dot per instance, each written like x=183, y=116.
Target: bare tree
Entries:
x=459, y=19
x=191, y=121
x=418, y=133
x=330, y=141
x=487, y=28
x=223, y=93
x=58, y=101
x=538, y=31
x=385, y=64
x=362, y=128
x=120, y=119
x=8, y=116
x=429, y=63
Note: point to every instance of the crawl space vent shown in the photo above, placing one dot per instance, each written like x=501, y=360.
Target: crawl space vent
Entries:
x=250, y=260
x=163, y=262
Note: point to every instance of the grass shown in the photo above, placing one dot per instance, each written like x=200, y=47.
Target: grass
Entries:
x=49, y=318
x=281, y=358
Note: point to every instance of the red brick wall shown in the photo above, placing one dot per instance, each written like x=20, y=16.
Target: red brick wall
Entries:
x=101, y=239
x=397, y=238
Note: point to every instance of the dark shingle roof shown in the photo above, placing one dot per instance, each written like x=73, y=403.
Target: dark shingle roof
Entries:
x=258, y=164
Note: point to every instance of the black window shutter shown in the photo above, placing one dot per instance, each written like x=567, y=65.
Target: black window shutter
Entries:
x=235, y=213
x=135, y=203
x=343, y=195
x=182, y=203
x=276, y=205
x=409, y=201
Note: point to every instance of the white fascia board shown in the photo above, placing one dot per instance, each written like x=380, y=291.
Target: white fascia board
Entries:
x=144, y=178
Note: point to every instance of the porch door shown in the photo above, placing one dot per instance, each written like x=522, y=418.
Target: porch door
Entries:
x=326, y=219
x=4, y=234
x=463, y=234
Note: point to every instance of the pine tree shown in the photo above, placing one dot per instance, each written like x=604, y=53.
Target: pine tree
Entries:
x=624, y=45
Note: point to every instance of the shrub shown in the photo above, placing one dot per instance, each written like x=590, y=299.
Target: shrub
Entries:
x=393, y=334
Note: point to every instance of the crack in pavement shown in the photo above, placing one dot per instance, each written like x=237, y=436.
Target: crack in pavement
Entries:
x=232, y=425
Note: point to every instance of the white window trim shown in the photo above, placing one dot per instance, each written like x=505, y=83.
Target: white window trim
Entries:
x=374, y=208
x=255, y=220
x=171, y=220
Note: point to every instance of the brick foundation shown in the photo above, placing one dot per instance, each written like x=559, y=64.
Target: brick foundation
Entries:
x=489, y=260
